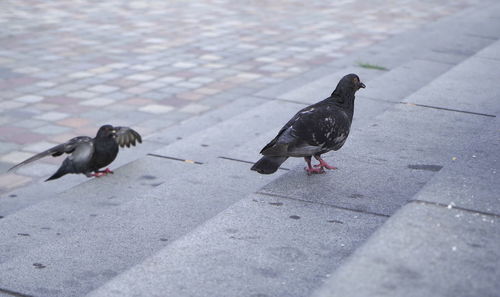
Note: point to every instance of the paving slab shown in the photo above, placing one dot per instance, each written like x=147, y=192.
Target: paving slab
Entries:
x=260, y=246
x=470, y=181
x=471, y=86
x=424, y=250
x=196, y=124
x=472, y=21
x=390, y=85
x=490, y=52
x=404, y=80
x=322, y=87
x=383, y=165
x=225, y=136
x=92, y=239
x=365, y=111
x=310, y=76
x=449, y=40
x=63, y=214
x=26, y=196
x=37, y=192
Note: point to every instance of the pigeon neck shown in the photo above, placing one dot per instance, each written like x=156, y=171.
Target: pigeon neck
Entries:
x=346, y=101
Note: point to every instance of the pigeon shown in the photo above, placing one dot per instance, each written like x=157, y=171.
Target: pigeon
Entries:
x=314, y=130
x=87, y=154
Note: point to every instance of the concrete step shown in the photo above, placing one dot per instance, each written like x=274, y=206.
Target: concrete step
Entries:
x=78, y=226
x=287, y=238
x=37, y=192
x=71, y=210
x=102, y=239
x=455, y=214
x=369, y=102
x=260, y=246
x=272, y=244
x=95, y=246
x=432, y=42
x=444, y=243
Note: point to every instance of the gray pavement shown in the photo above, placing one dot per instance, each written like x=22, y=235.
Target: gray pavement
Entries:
x=412, y=209
x=431, y=241
x=67, y=67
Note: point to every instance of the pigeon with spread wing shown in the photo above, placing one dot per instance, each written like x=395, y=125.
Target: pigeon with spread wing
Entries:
x=86, y=154
x=314, y=130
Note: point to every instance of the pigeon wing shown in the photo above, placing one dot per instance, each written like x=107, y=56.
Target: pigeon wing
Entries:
x=126, y=136
x=326, y=128
x=273, y=147
x=315, y=129
x=278, y=146
x=68, y=147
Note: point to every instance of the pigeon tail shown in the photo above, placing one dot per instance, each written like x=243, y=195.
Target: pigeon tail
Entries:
x=60, y=172
x=268, y=164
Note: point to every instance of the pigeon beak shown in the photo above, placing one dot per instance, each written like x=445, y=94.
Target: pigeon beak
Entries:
x=362, y=85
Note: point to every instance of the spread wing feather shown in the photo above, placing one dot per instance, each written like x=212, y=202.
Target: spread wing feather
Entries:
x=67, y=147
x=126, y=136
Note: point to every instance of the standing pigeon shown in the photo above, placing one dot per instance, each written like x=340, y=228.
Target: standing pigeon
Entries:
x=89, y=154
x=314, y=130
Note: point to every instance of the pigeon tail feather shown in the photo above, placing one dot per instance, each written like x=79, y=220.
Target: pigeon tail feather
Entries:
x=60, y=172
x=268, y=164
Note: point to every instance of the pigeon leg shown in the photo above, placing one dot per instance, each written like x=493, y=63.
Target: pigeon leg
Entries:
x=98, y=174
x=311, y=170
x=107, y=170
x=102, y=172
x=322, y=163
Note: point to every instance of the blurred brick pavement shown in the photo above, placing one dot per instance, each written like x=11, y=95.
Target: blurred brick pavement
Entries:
x=69, y=66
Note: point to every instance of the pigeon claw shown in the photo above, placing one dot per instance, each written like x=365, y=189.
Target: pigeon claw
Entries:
x=102, y=173
x=323, y=164
x=107, y=170
x=98, y=174
x=314, y=170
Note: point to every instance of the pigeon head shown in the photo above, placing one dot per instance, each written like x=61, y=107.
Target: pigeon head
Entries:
x=106, y=131
x=348, y=85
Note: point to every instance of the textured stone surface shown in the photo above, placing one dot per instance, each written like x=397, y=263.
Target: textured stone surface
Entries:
x=471, y=86
x=424, y=250
x=107, y=234
x=470, y=180
x=261, y=246
x=383, y=165
x=97, y=61
x=225, y=136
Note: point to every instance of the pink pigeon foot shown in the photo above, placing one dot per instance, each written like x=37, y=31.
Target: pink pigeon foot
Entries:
x=311, y=170
x=314, y=170
x=102, y=173
x=323, y=164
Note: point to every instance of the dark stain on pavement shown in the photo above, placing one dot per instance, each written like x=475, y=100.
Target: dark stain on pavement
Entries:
x=433, y=168
x=275, y=203
x=39, y=265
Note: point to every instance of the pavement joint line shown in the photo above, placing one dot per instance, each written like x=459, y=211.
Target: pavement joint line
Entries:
x=466, y=55
x=427, y=59
x=482, y=36
x=437, y=204
x=450, y=109
x=176, y=159
x=364, y=97
x=488, y=58
x=281, y=99
x=247, y=162
x=430, y=59
x=12, y=293
x=325, y=204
